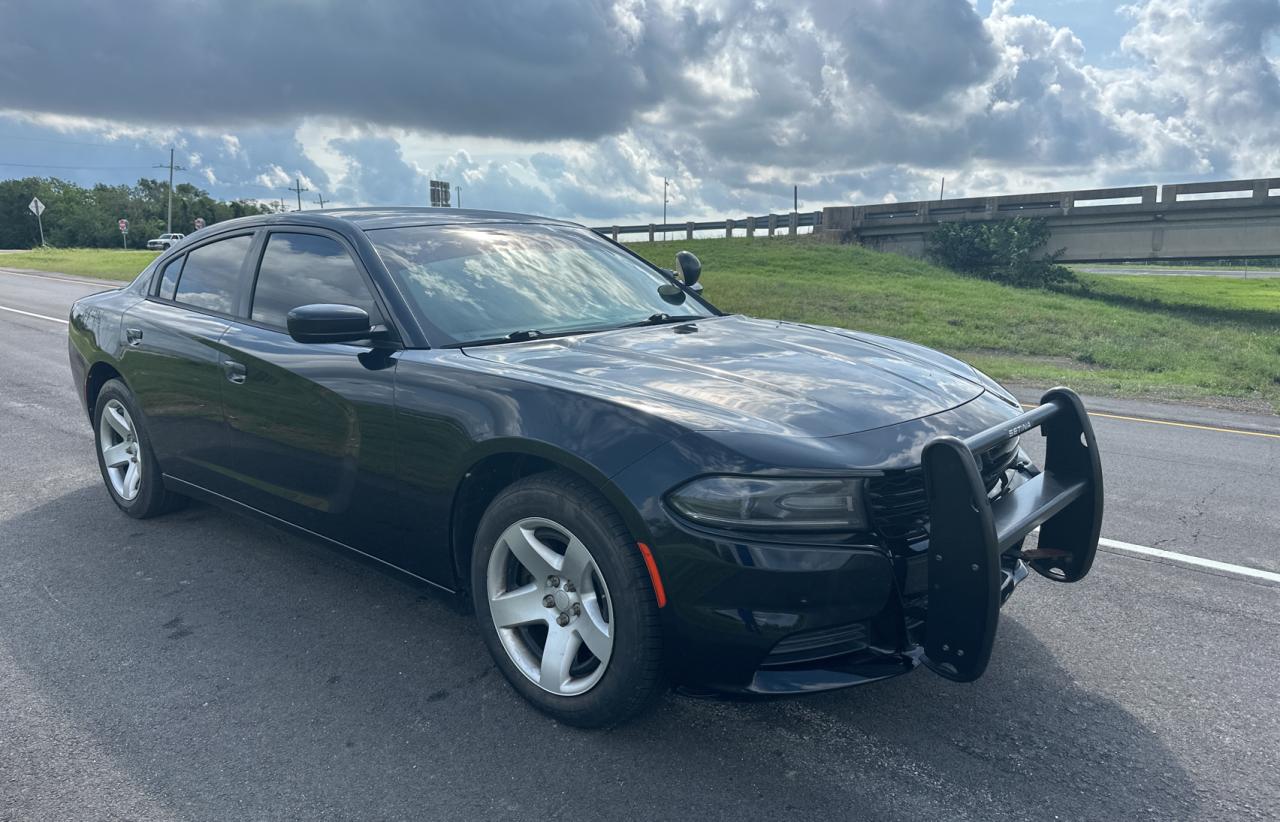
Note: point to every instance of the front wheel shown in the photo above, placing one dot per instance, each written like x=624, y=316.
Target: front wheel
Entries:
x=565, y=603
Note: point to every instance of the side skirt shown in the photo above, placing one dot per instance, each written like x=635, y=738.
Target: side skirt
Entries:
x=212, y=497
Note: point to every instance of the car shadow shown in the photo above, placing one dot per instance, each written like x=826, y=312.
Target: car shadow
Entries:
x=228, y=670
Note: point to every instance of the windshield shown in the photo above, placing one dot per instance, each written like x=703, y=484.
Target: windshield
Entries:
x=471, y=283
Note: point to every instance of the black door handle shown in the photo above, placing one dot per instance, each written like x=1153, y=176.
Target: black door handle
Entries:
x=133, y=336
x=234, y=371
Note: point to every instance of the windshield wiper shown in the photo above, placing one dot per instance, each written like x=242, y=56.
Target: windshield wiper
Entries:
x=514, y=336
x=662, y=318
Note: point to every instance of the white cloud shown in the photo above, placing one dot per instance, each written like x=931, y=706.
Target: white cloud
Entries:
x=736, y=101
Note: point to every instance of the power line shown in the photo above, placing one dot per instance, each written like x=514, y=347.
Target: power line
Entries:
x=77, y=168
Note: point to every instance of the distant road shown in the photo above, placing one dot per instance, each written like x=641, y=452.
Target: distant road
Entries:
x=1138, y=270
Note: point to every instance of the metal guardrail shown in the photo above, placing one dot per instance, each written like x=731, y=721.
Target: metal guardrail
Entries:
x=771, y=224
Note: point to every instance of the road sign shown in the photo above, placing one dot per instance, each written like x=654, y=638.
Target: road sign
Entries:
x=124, y=225
x=37, y=208
x=439, y=194
x=199, y=223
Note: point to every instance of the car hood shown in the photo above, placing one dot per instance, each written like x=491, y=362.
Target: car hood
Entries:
x=743, y=374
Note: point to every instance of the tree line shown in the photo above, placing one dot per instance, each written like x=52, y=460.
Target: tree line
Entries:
x=87, y=217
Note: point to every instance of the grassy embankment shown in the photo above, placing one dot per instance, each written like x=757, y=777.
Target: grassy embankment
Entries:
x=1167, y=337
x=106, y=263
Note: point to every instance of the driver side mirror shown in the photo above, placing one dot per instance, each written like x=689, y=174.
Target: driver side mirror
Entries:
x=690, y=269
x=325, y=323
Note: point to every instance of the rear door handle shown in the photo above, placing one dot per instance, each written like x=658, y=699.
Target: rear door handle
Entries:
x=133, y=336
x=234, y=371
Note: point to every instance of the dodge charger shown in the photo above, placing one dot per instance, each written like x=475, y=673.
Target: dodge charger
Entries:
x=630, y=488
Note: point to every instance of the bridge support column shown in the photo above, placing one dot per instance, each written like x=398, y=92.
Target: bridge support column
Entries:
x=688, y=230
x=773, y=224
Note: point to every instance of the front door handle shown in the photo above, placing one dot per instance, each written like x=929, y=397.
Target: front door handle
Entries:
x=234, y=371
x=133, y=336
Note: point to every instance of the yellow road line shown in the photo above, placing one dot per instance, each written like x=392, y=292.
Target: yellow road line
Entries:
x=1180, y=424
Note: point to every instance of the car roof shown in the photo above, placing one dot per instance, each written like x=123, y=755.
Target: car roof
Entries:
x=389, y=217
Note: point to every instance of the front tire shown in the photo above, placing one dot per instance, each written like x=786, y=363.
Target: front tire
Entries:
x=564, y=602
x=125, y=456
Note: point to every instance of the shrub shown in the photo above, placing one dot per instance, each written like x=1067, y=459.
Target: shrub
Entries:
x=1006, y=251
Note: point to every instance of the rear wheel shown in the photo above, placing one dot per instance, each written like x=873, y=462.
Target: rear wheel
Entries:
x=565, y=603
x=125, y=456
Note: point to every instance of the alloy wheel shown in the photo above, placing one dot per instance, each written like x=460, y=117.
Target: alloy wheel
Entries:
x=551, y=606
x=121, y=451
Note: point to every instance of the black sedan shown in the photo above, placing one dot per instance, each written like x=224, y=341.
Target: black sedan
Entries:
x=631, y=487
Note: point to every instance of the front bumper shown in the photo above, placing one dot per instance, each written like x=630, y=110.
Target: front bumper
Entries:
x=755, y=617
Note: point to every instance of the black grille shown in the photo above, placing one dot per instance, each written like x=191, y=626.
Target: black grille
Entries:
x=899, y=508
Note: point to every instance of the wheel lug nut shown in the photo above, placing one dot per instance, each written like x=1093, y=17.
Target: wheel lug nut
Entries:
x=577, y=609
x=549, y=601
x=562, y=620
x=553, y=582
x=568, y=586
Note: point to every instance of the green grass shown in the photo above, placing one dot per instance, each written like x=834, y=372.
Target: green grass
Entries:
x=107, y=263
x=1159, y=337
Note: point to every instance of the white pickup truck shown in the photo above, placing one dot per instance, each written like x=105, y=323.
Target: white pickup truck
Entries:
x=164, y=241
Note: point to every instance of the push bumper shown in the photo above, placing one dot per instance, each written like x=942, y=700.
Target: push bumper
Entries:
x=970, y=534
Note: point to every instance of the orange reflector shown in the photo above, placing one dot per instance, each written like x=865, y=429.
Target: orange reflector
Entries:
x=653, y=573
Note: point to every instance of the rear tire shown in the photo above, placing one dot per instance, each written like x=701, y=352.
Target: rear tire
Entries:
x=592, y=657
x=125, y=456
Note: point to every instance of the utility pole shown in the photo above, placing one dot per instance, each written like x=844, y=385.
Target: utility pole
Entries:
x=298, y=189
x=665, y=183
x=168, y=223
x=942, y=189
x=795, y=199
x=459, y=196
x=320, y=200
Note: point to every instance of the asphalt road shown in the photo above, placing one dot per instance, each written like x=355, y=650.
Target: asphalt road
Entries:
x=204, y=666
x=1182, y=271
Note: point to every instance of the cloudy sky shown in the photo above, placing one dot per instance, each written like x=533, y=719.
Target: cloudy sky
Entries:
x=580, y=108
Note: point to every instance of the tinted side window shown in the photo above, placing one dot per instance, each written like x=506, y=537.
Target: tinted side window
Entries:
x=212, y=273
x=301, y=269
x=169, y=277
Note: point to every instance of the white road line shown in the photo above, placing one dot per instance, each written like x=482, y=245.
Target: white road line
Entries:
x=1187, y=559
x=30, y=314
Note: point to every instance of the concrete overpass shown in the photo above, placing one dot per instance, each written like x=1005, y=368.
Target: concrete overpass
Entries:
x=1210, y=220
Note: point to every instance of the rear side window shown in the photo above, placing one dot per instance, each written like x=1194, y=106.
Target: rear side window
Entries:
x=302, y=269
x=212, y=273
x=169, y=277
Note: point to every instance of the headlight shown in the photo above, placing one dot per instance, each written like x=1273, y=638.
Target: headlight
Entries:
x=816, y=504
